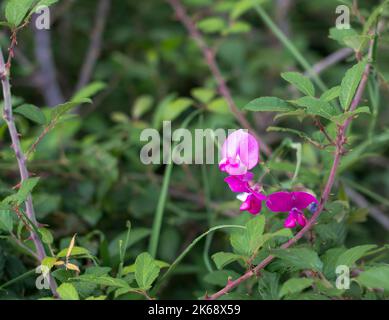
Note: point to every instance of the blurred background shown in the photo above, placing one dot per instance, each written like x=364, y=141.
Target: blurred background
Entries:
x=137, y=62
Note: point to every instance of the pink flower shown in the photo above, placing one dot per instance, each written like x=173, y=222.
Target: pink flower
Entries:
x=240, y=183
x=240, y=153
x=252, y=202
x=292, y=202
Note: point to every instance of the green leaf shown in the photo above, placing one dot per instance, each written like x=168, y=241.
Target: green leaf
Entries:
x=301, y=82
x=46, y=235
x=375, y=277
x=32, y=113
x=204, y=95
x=24, y=191
x=61, y=109
x=6, y=220
x=238, y=27
x=339, y=119
x=330, y=94
x=16, y=10
x=222, y=259
x=350, y=84
x=220, y=277
x=67, y=291
x=250, y=240
x=142, y=105
x=299, y=258
x=269, y=104
x=219, y=105
x=317, y=107
x=211, y=25
x=88, y=91
x=175, y=108
x=295, y=285
x=132, y=268
x=341, y=34
x=243, y=6
x=351, y=256
x=103, y=280
x=76, y=251
x=146, y=270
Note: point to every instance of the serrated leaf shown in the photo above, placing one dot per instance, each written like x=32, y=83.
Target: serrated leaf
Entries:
x=299, y=258
x=269, y=104
x=295, y=285
x=32, y=113
x=301, y=82
x=340, y=34
x=317, y=107
x=146, y=271
x=223, y=259
x=249, y=241
x=61, y=109
x=16, y=11
x=67, y=291
x=330, y=94
x=351, y=256
x=375, y=278
x=350, y=84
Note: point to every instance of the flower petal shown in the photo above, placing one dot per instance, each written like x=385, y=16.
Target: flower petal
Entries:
x=237, y=184
x=252, y=205
x=290, y=222
x=302, y=200
x=279, y=201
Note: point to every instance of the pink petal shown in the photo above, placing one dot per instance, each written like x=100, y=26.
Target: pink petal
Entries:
x=240, y=152
x=302, y=220
x=302, y=200
x=290, y=222
x=237, y=184
x=279, y=201
x=252, y=205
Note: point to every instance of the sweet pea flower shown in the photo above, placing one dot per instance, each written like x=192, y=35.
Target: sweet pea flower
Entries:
x=252, y=202
x=240, y=153
x=294, y=203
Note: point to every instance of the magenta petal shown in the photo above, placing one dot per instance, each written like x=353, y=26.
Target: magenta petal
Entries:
x=302, y=221
x=252, y=205
x=259, y=195
x=290, y=222
x=302, y=200
x=279, y=201
x=236, y=184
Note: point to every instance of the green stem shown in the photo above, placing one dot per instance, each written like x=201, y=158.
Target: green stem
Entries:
x=18, y=278
x=290, y=46
x=156, y=230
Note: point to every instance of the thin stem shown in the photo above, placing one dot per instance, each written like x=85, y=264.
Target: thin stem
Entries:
x=340, y=143
x=290, y=46
x=209, y=57
x=20, y=157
